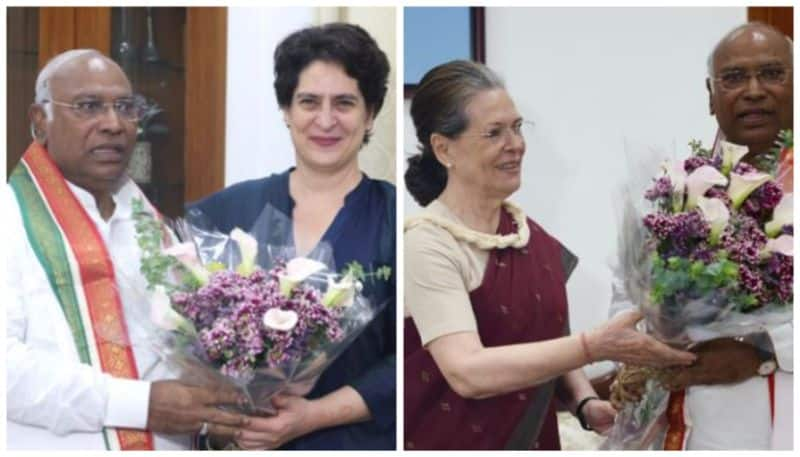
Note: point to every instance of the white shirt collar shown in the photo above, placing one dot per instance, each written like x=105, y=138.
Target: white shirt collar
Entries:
x=122, y=199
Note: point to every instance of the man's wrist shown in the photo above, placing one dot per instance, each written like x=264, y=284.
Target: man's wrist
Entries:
x=763, y=348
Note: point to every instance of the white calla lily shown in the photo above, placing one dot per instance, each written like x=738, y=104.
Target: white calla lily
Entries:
x=731, y=155
x=248, y=247
x=699, y=181
x=783, y=214
x=163, y=315
x=716, y=214
x=341, y=293
x=278, y=319
x=297, y=270
x=186, y=254
x=743, y=185
x=677, y=177
x=782, y=244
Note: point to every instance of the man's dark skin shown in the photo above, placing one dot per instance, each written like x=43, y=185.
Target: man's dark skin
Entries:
x=751, y=116
x=754, y=114
x=93, y=154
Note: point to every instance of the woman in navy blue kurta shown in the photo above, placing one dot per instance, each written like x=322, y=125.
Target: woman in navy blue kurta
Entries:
x=364, y=231
x=330, y=82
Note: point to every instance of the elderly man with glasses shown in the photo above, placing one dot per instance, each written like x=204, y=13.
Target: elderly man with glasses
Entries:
x=739, y=393
x=75, y=364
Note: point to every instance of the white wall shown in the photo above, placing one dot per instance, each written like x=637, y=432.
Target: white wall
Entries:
x=257, y=142
x=377, y=158
x=589, y=78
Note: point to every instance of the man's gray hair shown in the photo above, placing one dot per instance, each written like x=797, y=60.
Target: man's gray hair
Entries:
x=43, y=79
x=736, y=31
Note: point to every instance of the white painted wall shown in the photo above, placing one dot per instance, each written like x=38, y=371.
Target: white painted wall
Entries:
x=257, y=142
x=377, y=158
x=589, y=78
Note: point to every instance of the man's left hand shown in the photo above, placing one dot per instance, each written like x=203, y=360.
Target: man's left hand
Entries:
x=294, y=418
x=719, y=361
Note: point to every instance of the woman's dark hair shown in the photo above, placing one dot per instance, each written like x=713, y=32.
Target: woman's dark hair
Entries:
x=439, y=106
x=347, y=45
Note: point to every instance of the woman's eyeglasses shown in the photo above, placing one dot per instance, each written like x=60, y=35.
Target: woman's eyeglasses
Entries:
x=498, y=134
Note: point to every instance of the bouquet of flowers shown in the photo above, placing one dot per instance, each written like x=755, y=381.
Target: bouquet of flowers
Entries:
x=226, y=310
x=710, y=255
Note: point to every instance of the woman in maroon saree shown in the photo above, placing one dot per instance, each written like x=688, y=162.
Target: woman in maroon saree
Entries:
x=487, y=339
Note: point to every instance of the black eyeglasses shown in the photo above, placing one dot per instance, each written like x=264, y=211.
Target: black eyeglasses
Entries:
x=128, y=108
x=768, y=76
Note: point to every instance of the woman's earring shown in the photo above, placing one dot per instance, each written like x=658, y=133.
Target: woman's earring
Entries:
x=448, y=165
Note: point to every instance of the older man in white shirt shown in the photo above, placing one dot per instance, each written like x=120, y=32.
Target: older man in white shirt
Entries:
x=76, y=353
x=738, y=395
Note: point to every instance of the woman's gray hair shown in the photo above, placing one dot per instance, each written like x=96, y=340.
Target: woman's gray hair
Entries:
x=43, y=79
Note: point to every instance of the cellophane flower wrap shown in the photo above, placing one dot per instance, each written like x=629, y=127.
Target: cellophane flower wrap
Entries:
x=225, y=309
x=705, y=251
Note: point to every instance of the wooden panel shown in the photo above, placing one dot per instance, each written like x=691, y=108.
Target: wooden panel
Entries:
x=61, y=29
x=21, y=66
x=477, y=22
x=56, y=32
x=780, y=17
x=206, y=56
x=93, y=29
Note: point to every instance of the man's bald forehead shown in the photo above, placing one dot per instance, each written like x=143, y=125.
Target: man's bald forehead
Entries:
x=744, y=30
x=79, y=66
x=91, y=61
x=758, y=31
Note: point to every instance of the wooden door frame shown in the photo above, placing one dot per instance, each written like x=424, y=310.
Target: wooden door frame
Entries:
x=206, y=69
x=780, y=17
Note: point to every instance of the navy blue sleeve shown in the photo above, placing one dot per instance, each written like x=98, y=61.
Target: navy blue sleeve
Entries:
x=377, y=386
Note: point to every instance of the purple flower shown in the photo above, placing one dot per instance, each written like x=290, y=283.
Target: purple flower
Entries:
x=662, y=188
x=744, y=240
x=750, y=280
x=703, y=252
x=769, y=194
x=720, y=193
x=762, y=201
x=228, y=312
x=779, y=276
x=678, y=233
x=693, y=163
x=743, y=168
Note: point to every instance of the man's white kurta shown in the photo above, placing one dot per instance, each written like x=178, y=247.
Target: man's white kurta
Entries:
x=737, y=416
x=53, y=400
